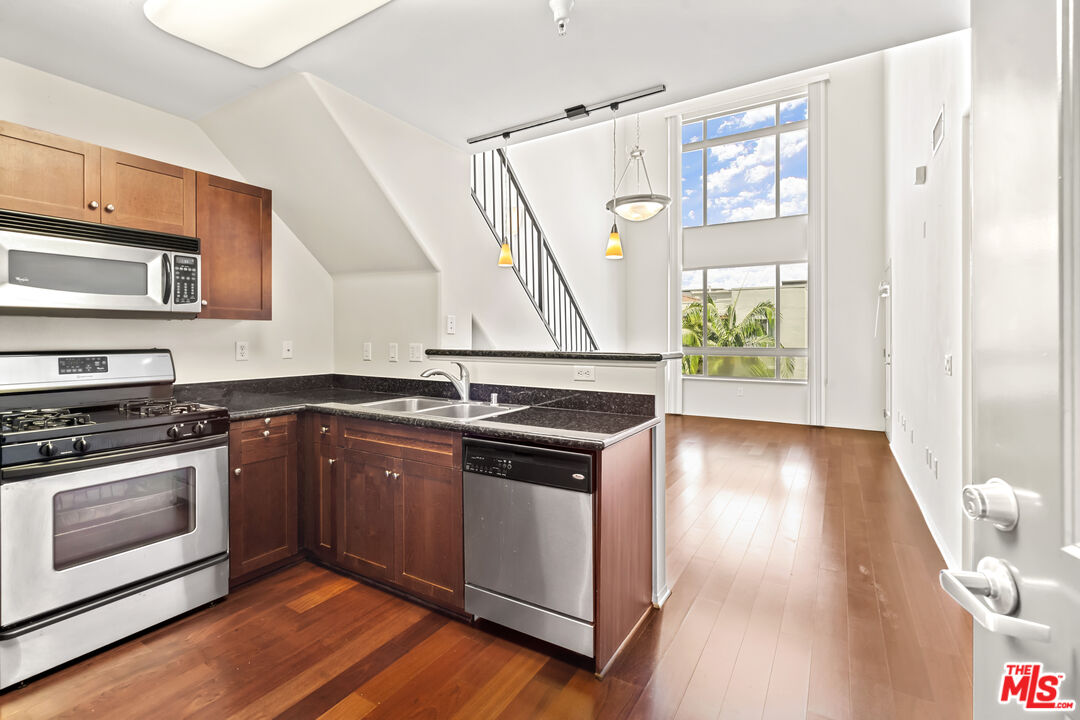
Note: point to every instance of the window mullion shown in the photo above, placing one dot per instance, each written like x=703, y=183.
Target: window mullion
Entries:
x=776, y=315
x=704, y=319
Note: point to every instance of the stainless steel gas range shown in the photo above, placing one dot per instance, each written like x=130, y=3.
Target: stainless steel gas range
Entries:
x=113, y=503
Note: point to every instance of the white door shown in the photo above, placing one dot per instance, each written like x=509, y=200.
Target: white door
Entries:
x=1024, y=591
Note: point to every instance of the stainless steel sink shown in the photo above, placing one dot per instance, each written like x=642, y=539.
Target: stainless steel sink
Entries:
x=471, y=411
x=408, y=405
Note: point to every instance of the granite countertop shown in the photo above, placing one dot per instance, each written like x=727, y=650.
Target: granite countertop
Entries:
x=570, y=428
x=555, y=355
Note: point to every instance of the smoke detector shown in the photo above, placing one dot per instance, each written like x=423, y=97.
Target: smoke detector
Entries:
x=561, y=10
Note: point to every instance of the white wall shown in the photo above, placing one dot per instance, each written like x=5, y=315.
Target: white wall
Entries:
x=928, y=272
x=384, y=308
x=203, y=349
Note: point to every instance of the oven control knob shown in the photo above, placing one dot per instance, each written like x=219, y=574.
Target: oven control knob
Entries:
x=79, y=445
x=173, y=432
x=48, y=449
x=199, y=428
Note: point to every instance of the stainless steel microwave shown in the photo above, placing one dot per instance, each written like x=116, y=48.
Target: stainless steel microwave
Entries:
x=44, y=274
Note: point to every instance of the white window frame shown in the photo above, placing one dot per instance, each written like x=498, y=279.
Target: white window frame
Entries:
x=705, y=144
x=776, y=351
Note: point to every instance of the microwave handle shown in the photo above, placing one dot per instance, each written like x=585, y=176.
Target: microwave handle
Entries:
x=166, y=278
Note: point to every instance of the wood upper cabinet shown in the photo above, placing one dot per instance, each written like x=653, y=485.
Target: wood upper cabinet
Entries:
x=138, y=192
x=432, y=537
x=233, y=222
x=262, y=494
x=367, y=515
x=49, y=174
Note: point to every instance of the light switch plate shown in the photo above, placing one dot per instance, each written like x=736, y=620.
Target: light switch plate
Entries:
x=948, y=364
x=391, y=352
x=451, y=324
x=416, y=352
x=367, y=351
x=584, y=373
x=286, y=349
x=242, y=350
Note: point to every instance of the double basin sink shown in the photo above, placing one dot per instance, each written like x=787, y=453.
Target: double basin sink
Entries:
x=436, y=407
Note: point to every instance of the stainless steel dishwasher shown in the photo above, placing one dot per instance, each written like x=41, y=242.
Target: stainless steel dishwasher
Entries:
x=529, y=540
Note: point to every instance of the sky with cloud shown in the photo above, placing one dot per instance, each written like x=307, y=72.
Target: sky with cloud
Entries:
x=740, y=179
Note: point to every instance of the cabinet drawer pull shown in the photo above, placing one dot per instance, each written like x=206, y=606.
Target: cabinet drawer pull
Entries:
x=266, y=420
x=236, y=471
x=110, y=207
x=387, y=473
x=324, y=429
x=93, y=205
x=332, y=461
x=266, y=433
x=205, y=302
x=395, y=475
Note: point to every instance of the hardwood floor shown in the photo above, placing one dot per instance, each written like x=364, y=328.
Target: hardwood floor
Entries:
x=804, y=584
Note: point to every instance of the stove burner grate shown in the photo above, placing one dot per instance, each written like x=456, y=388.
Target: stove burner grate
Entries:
x=148, y=407
x=41, y=419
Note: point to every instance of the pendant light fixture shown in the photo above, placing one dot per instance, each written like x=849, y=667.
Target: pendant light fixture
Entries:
x=614, y=244
x=639, y=206
x=506, y=260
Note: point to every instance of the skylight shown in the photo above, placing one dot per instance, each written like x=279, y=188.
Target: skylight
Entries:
x=257, y=33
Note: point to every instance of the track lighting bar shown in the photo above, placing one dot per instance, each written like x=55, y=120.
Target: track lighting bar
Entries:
x=571, y=113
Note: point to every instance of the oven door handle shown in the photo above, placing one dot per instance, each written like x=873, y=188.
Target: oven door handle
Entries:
x=54, y=467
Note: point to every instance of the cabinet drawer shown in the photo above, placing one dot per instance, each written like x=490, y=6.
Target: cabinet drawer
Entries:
x=279, y=429
x=437, y=447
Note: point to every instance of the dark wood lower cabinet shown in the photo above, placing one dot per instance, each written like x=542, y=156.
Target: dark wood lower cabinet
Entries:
x=262, y=495
x=367, y=515
x=431, y=534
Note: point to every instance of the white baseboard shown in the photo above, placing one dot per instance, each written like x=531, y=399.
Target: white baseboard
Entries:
x=942, y=547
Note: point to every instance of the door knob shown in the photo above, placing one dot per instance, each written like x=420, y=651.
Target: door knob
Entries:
x=990, y=594
x=110, y=207
x=993, y=501
x=93, y=205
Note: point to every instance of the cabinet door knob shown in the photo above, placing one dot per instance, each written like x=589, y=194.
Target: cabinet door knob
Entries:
x=266, y=433
x=324, y=429
x=205, y=302
x=110, y=207
x=387, y=473
x=395, y=475
x=266, y=420
x=236, y=471
x=93, y=205
x=332, y=461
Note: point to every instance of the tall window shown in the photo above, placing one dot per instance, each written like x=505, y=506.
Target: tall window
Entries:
x=745, y=322
x=745, y=165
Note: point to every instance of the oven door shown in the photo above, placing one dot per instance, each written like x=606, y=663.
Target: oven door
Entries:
x=39, y=272
x=69, y=536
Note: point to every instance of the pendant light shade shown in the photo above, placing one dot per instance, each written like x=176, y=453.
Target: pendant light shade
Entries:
x=637, y=206
x=614, y=245
x=506, y=260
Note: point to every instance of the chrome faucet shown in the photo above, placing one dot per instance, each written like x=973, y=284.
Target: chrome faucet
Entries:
x=462, y=385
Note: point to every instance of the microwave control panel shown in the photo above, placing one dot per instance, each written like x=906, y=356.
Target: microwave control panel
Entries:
x=185, y=280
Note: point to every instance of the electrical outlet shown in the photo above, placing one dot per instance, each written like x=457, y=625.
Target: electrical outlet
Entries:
x=242, y=350
x=416, y=352
x=367, y=351
x=391, y=352
x=286, y=349
x=451, y=324
x=948, y=364
x=584, y=373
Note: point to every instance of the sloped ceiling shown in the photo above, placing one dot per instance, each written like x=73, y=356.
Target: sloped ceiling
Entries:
x=458, y=68
x=283, y=137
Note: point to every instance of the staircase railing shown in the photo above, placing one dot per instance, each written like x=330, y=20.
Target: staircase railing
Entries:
x=498, y=195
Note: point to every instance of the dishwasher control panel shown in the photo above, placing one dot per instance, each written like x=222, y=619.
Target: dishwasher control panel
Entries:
x=540, y=466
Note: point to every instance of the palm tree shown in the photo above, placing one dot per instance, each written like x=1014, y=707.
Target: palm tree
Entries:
x=755, y=329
